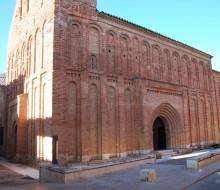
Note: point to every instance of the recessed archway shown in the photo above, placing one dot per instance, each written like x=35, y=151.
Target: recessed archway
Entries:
x=166, y=128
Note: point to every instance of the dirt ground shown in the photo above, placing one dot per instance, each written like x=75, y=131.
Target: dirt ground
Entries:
x=11, y=178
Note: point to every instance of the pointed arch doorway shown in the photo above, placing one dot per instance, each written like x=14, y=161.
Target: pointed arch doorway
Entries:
x=166, y=126
x=159, y=134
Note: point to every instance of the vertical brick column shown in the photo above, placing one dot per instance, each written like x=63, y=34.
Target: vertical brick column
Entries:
x=21, y=128
x=84, y=58
x=85, y=132
x=215, y=119
x=122, y=127
x=147, y=143
x=104, y=124
x=139, y=125
x=185, y=122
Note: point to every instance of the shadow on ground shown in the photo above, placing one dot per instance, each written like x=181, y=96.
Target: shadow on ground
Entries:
x=11, y=178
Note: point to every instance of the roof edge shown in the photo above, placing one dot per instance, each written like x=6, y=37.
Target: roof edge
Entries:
x=151, y=32
x=215, y=71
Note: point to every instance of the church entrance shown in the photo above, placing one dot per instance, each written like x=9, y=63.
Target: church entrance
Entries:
x=159, y=134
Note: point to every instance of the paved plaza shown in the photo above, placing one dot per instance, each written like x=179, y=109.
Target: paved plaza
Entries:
x=171, y=172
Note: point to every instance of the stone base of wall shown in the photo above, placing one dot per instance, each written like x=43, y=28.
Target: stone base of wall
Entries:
x=21, y=159
x=87, y=158
x=58, y=174
x=184, y=151
x=203, y=144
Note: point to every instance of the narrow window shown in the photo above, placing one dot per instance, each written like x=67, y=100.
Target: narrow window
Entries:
x=93, y=62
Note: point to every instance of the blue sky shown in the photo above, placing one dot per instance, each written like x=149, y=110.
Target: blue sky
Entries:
x=193, y=22
x=6, y=14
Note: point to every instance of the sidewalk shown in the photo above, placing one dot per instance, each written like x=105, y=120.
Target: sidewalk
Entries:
x=21, y=169
x=172, y=174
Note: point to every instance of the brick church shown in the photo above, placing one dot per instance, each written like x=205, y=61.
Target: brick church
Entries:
x=85, y=85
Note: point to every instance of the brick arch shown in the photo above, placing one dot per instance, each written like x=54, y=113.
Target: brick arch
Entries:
x=201, y=72
x=145, y=59
x=47, y=30
x=185, y=70
x=37, y=49
x=111, y=38
x=176, y=70
x=136, y=38
x=74, y=44
x=17, y=63
x=22, y=68
x=73, y=23
x=156, y=62
x=166, y=65
x=208, y=77
x=111, y=32
x=136, y=42
x=94, y=44
x=172, y=122
x=96, y=26
x=136, y=55
x=23, y=52
x=100, y=31
x=126, y=36
x=29, y=56
x=111, y=48
x=9, y=66
x=145, y=43
x=124, y=52
x=43, y=42
x=12, y=66
x=194, y=73
x=17, y=55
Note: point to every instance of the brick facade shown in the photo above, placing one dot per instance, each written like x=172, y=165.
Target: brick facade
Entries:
x=2, y=118
x=102, y=87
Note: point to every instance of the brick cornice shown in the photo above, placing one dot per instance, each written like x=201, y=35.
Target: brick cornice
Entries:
x=151, y=33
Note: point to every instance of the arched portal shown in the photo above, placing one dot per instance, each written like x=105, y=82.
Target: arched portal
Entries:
x=167, y=130
x=159, y=134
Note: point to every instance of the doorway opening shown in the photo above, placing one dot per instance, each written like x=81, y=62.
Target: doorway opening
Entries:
x=159, y=134
x=14, y=150
x=55, y=150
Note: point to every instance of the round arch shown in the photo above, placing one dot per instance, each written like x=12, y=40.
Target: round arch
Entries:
x=166, y=121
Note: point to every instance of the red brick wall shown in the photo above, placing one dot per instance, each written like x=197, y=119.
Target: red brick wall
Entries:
x=110, y=56
x=29, y=70
x=99, y=83
x=2, y=117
